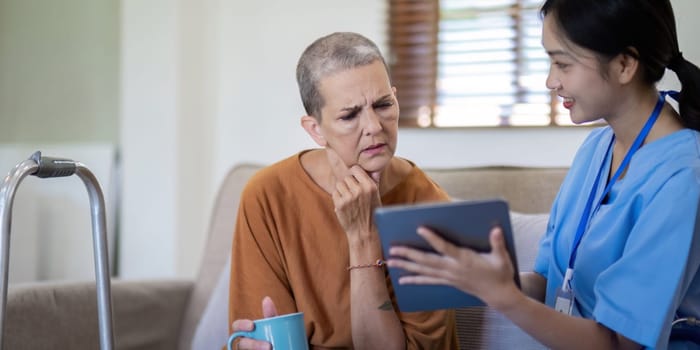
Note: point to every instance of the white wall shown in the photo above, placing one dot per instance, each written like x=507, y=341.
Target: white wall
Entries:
x=58, y=71
x=58, y=94
x=209, y=84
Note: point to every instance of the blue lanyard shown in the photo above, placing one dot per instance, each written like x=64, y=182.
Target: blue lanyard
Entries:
x=583, y=224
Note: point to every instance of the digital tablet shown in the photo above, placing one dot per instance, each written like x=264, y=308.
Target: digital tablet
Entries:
x=464, y=223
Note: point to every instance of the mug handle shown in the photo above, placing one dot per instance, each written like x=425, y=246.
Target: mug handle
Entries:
x=236, y=335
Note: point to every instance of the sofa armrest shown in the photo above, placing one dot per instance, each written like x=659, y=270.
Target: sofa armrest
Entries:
x=50, y=315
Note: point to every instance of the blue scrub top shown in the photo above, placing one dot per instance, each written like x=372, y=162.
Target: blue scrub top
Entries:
x=637, y=262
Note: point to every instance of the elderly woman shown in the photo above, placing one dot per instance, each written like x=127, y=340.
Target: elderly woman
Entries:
x=305, y=239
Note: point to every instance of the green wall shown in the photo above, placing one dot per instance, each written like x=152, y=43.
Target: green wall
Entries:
x=59, y=64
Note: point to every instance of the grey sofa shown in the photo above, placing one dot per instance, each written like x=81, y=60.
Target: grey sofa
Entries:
x=185, y=314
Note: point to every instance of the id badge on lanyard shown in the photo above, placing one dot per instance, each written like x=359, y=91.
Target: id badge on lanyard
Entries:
x=564, y=302
x=565, y=298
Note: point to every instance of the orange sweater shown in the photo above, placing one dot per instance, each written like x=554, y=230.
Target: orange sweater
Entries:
x=289, y=245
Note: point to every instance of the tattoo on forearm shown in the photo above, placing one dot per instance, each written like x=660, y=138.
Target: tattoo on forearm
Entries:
x=386, y=306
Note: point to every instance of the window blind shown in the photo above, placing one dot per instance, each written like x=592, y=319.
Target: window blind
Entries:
x=461, y=63
x=413, y=35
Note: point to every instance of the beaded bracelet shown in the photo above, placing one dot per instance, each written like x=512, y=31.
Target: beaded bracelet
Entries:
x=378, y=263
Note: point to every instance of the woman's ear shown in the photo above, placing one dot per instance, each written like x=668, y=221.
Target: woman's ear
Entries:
x=313, y=128
x=626, y=65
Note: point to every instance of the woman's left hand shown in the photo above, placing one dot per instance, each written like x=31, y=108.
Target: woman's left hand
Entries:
x=487, y=276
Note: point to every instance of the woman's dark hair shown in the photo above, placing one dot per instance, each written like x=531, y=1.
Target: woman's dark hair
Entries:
x=644, y=29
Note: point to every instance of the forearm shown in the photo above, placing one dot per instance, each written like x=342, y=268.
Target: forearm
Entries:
x=560, y=331
x=375, y=324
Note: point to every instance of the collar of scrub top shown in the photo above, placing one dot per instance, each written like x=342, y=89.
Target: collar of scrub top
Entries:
x=583, y=224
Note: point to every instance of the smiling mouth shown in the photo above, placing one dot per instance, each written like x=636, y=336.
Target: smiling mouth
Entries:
x=567, y=102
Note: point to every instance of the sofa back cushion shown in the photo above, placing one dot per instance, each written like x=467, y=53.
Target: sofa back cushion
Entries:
x=527, y=189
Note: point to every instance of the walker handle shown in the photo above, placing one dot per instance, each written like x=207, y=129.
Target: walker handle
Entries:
x=53, y=167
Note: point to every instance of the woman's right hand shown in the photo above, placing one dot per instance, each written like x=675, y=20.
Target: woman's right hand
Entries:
x=245, y=325
x=355, y=196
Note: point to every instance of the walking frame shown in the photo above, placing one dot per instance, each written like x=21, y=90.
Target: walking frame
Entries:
x=46, y=167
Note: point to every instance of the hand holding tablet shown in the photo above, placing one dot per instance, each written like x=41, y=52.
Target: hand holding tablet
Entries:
x=460, y=224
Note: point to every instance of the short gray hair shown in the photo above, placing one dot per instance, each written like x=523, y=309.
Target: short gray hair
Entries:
x=328, y=55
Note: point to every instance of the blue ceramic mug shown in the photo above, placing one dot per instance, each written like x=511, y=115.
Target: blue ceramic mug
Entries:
x=283, y=332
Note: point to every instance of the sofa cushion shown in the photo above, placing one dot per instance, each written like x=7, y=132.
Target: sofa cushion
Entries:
x=50, y=315
x=527, y=231
x=212, y=329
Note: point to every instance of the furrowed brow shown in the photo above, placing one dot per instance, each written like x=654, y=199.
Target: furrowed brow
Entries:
x=384, y=98
x=352, y=109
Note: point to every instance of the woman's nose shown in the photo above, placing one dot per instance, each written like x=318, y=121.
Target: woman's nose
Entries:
x=552, y=81
x=372, y=124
